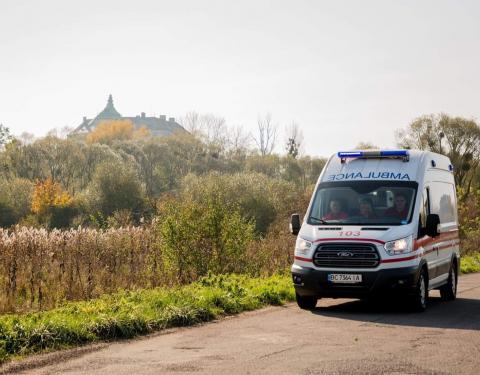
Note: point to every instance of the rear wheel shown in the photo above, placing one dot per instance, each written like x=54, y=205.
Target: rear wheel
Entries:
x=420, y=296
x=448, y=292
x=306, y=302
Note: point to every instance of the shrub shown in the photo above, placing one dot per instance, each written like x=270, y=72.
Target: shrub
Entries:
x=53, y=206
x=15, y=200
x=469, y=217
x=116, y=186
x=198, y=237
x=257, y=197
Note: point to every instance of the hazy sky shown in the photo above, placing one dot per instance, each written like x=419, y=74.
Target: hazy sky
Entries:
x=345, y=71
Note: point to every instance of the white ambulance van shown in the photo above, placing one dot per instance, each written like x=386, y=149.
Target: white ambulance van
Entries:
x=379, y=223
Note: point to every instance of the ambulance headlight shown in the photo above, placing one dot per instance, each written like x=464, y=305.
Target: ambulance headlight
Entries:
x=401, y=246
x=302, y=247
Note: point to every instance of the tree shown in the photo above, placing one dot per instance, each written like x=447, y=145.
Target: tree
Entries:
x=366, y=146
x=48, y=194
x=16, y=194
x=456, y=137
x=267, y=135
x=52, y=205
x=294, y=140
x=5, y=136
x=116, y=186
x=238, y=140
x=111, y=130
x=423, y=133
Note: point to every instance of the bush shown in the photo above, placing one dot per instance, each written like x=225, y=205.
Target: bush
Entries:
x=469, y=217
x=15, y=200
x=470, y=263
x=53, y=207
x=257, y=197
x=116, y=186
x=198, y=237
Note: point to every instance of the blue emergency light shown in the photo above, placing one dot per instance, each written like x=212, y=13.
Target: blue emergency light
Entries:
x=373, y=154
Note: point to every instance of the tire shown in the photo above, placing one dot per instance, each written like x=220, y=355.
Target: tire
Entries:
x=420, y=296
x=448, y=292
x=306, y=302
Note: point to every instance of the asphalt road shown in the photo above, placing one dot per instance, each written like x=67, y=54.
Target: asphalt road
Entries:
x=340, y=337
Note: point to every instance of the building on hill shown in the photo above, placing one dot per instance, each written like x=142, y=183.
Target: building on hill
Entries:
x=158, y=126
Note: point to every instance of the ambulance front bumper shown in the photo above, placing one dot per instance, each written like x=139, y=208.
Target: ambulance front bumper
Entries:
x=313, y=282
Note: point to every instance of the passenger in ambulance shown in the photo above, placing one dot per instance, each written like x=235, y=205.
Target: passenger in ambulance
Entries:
x=336, y=212
x=365, y=205
x=399, y=208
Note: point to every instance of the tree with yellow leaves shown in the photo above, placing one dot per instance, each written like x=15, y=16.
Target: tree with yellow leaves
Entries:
x=51, y=204
x=110, y=130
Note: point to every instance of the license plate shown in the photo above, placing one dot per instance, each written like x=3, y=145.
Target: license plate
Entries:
x=344, y=278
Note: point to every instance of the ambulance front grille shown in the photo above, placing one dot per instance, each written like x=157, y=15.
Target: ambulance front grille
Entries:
x=346, y=255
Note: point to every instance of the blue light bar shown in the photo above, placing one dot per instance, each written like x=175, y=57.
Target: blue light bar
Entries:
x=374, y=154
x=394, y=153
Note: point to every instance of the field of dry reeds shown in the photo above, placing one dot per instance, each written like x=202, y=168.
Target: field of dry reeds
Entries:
x=40, y=269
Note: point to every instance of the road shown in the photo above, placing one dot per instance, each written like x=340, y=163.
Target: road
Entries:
x=340, y=337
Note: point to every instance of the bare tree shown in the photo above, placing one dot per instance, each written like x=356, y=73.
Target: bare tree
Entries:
x=238, y=139
x=294, y=139
x=267, y=135
x=191, y=123
x=26, y=138
x=214, y=129
x=210, y=128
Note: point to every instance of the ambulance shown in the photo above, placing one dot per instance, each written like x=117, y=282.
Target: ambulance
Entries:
x=379, y=223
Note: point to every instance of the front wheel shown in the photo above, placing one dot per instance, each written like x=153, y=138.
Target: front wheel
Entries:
x=420, y=296
x=448, y=292
x=306, y=302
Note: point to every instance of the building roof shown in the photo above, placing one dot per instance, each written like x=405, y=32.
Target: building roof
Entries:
x=158, y=126
x=109, y=112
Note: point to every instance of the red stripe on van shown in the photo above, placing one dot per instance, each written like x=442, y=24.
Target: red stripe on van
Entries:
x=303, y=259
x=401, y=259
x=450, y=235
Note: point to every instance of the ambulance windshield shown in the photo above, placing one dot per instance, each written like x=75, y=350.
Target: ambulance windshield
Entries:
x=363, y=202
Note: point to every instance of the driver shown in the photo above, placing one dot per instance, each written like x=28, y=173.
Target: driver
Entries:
x=336, y=212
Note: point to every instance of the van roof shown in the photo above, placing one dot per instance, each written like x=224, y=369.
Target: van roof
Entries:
x=400, y=165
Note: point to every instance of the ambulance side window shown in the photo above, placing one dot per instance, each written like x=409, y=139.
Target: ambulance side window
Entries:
x=442, y=201
x=424, y=211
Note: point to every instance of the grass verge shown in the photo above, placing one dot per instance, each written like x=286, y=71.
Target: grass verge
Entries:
x=470, y=263
x=130, y=313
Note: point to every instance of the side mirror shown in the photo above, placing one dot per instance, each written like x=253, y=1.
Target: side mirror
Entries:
x=295, y=224
x=431, y=227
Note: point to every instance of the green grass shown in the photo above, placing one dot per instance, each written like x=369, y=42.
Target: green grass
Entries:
x=470, y=263
x=130, y=313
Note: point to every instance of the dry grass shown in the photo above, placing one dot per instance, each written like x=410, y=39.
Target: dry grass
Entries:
x=41, y=268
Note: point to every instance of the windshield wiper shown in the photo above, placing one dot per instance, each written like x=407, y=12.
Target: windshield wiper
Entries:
x=320, y=221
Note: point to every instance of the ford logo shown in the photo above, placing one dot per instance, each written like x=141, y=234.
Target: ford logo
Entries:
x=345, y=254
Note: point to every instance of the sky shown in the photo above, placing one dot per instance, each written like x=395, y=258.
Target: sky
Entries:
x=344, y=71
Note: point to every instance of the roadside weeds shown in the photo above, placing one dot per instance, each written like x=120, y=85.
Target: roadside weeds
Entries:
x=128, y=314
